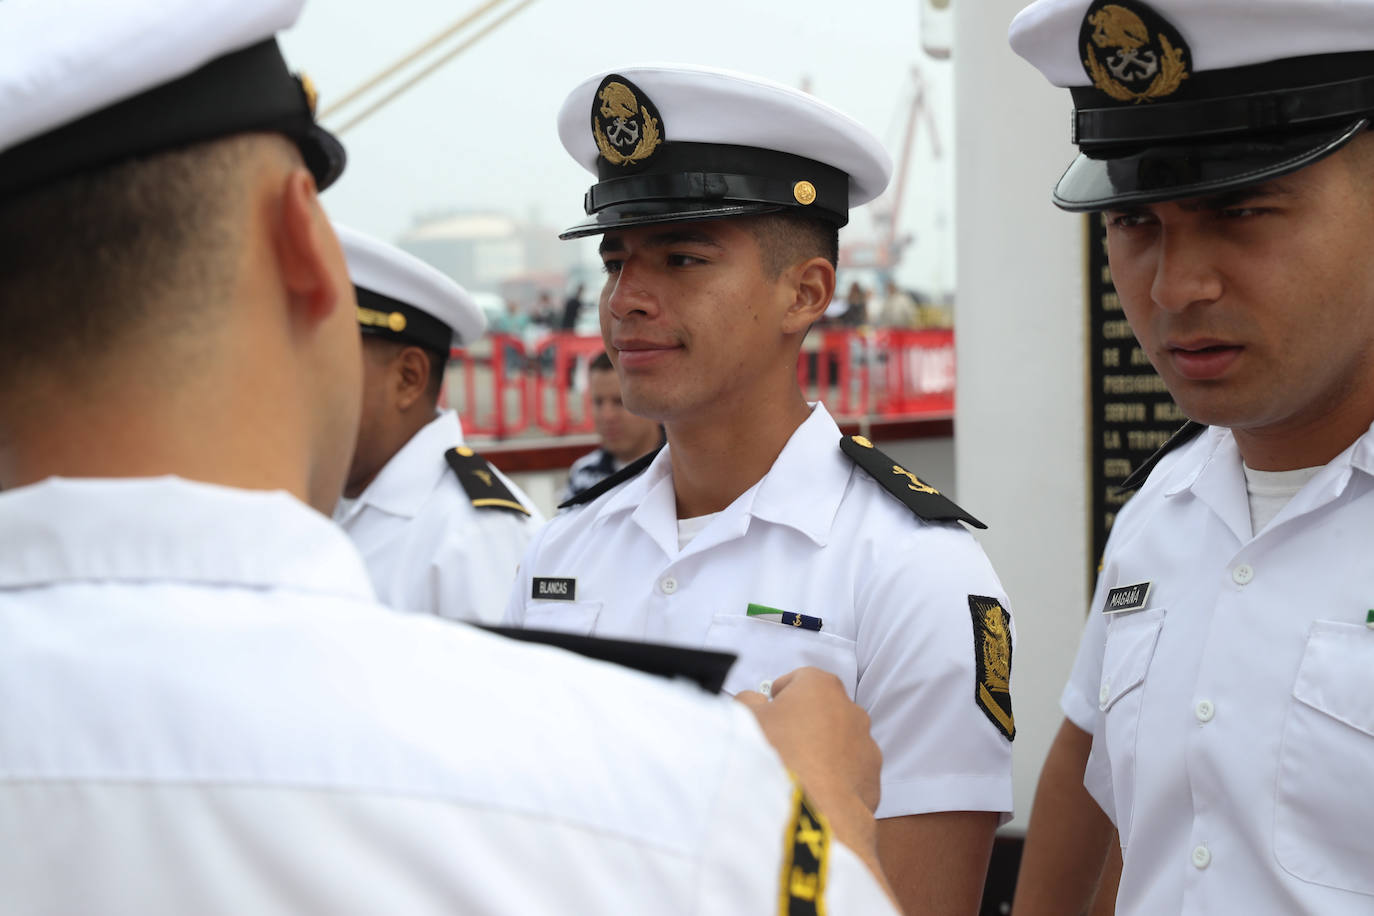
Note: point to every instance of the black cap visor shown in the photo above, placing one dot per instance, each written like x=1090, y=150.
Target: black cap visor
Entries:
x=1107, y=179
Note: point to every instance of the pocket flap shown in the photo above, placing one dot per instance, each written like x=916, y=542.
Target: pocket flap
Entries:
x=565, y=616
x=1336, y=676
x=768, y=650
x=1130, y=646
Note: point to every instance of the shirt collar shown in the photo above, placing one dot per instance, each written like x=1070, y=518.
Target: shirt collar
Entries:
x=811, y=463
x=405, y=482
x=1217, y=477
x=1212, y=440
x=1219, y=448
x=167, y=529
x=805, y=486
x=633, y=493
x=1362, y=453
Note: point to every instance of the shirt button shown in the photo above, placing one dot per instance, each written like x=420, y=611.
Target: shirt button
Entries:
x=1242, y=574
x=1202, y=856
x=667, y=585
x=1204, y=710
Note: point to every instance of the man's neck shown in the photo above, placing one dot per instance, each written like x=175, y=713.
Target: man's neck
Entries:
x=129, y=433
x=1287, y=447
x=715, y=460
x=407, y=427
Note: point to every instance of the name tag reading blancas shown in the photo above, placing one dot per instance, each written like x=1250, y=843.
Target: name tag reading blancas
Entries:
x=554, y=589
x=1127, y=598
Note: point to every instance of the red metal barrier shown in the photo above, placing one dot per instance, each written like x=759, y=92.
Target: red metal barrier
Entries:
x=502, y=389
x=568, y=355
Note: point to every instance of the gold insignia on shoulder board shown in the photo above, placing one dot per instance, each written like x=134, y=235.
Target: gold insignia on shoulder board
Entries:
x=484, y=476
x=1132, y=53
x=465, y=451
x=804, y=192
x=917, y=484
x=861, y=441
x=992, y=660
x=625, y=123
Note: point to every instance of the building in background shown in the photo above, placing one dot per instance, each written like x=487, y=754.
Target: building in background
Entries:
x=496, y=253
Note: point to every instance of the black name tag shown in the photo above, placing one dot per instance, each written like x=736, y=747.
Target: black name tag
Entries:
x=553, y=589
x=1127, y=598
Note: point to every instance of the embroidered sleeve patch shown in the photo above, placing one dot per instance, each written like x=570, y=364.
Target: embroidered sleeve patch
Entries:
x=992, y=660
x=805, y=858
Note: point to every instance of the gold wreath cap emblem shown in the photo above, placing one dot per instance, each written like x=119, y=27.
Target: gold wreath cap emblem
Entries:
x=622, y=115
x=1131, y=53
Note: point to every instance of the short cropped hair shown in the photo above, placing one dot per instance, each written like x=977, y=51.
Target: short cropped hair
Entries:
x=788, y=238
x=92, y=259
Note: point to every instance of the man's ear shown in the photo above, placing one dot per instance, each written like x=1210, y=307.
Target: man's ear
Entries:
x=813, y=287
x=411, y=376
x=309, y=258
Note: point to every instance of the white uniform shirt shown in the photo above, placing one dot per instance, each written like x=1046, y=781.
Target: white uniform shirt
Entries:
x=205, y=711
x=816, y=536
x=426, y=547
x=1234, y=715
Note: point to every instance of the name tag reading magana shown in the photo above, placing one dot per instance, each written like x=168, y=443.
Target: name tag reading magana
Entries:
x=1127, y=598
x=554, y=589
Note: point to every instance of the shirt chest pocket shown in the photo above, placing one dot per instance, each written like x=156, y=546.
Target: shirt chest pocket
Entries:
x=1323, y=796
x=564, y=616
x=768, y=650
x=1126, y=658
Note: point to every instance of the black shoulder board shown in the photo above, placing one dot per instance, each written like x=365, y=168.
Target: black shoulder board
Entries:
x=918, y=496
x=1185, y=434
x=484, y=488
x=708, y=669
x=632, y=469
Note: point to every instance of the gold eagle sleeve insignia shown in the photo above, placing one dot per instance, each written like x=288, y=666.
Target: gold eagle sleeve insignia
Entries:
x=992, y=661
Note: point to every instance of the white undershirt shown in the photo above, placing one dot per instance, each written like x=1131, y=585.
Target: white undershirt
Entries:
x=1270, y=491
x=688, y=528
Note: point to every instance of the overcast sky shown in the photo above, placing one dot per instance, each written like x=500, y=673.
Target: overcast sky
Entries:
x=480, y=134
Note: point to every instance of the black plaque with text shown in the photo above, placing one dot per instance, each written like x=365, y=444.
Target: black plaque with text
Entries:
x=1130, y=412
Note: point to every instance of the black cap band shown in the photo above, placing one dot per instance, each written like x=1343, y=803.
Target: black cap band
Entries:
x=382, y=316
x=1292, y=94
x=684, y=176
x=244, y=91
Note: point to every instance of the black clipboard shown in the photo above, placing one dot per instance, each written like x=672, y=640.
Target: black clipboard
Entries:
x=704, y=667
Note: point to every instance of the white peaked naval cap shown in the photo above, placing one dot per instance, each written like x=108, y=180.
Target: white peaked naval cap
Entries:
x=1186, y=98
x=672, y=143
x=402, y=298
x=89, y=83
